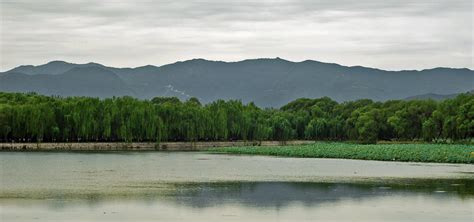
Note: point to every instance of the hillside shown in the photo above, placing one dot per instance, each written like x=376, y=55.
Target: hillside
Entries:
x=267, y=82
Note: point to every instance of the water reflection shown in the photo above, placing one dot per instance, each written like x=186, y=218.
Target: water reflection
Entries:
x=433, y=200
x=275, y=194
x=263, y=194
x=203, y=187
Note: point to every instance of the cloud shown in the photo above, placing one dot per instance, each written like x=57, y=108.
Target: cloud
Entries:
x=385, y=34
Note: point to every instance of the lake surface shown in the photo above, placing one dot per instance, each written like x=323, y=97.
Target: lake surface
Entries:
x=177, y=186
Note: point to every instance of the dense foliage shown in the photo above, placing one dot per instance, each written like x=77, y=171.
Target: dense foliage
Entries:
x=441, y=153
x=31, y=117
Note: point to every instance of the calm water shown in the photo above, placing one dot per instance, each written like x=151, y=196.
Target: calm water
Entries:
x=204, y=187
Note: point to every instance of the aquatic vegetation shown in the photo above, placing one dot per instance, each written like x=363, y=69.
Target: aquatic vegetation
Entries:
x=440, y=153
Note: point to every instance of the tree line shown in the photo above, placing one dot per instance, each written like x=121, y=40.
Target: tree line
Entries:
x=28, y=117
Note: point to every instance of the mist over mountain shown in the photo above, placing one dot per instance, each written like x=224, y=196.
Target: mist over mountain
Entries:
x=267, y=82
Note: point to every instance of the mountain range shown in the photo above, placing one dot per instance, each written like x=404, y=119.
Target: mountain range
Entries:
x=267, y=82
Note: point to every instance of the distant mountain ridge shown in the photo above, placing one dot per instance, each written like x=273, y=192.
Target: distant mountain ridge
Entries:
x=437, y=97
x=267, y=82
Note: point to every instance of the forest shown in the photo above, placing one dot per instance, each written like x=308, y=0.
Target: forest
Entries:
x=29, y=117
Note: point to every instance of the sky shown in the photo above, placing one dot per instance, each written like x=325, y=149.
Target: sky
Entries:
x=389, y=34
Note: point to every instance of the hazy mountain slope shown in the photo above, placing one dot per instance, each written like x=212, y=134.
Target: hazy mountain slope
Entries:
x=268, y=82
x=432, y=96
x=435, y=96
x=51, y=68
x=87, y=81
x=274, y=81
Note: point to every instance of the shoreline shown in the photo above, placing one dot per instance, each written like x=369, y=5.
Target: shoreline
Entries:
x=140, y=146
x=414, y=152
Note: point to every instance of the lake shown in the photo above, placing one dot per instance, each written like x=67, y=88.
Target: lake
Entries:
x=176, y=186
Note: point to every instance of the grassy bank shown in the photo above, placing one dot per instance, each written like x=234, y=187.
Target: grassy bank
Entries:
x=439, y=153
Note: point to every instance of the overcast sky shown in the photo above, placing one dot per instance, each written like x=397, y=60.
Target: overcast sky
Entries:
x=389, y=34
